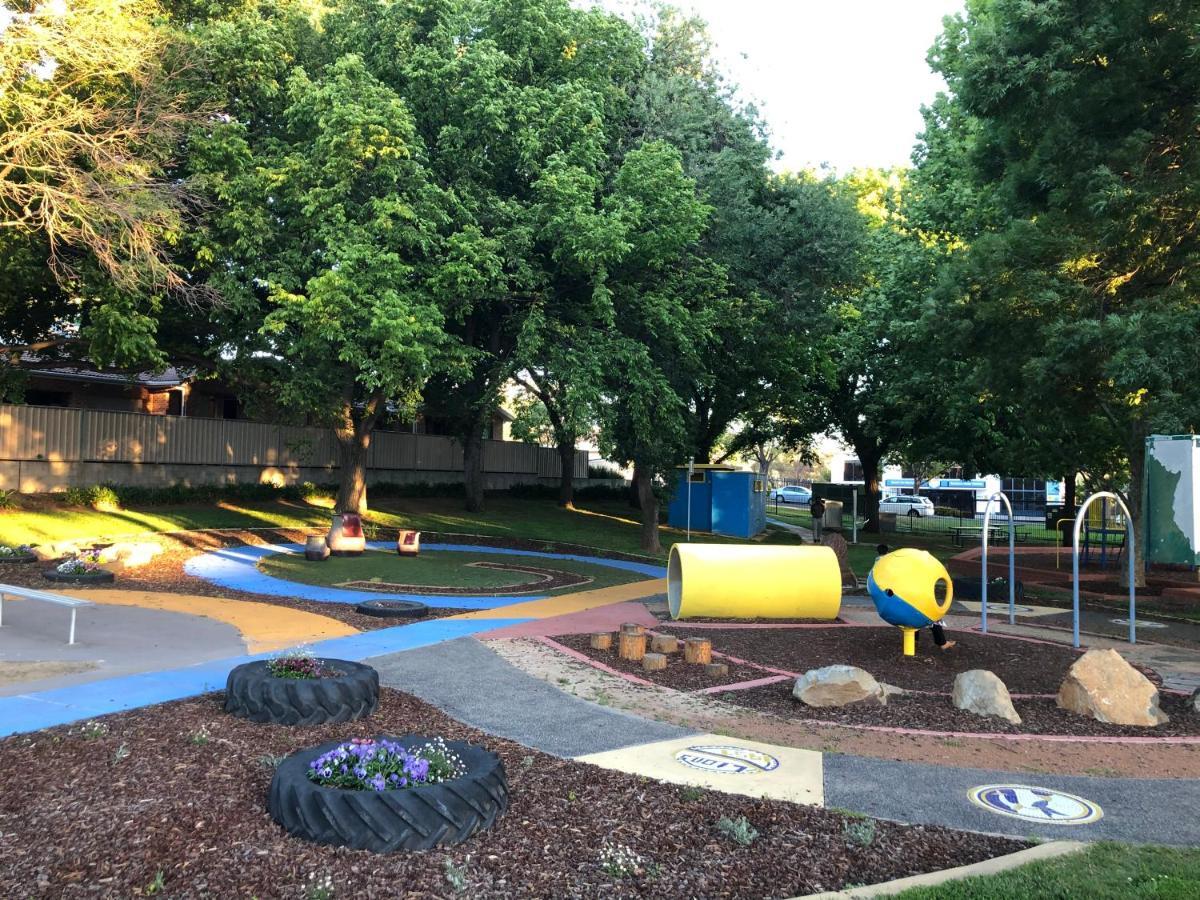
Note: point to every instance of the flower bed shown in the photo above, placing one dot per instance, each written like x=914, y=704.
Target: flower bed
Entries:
x=310, y=691
x=20, y=554
x=385, y=794
x=83, y=568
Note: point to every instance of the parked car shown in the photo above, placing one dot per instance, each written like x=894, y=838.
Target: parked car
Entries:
x=907, y=505
x=792, y=494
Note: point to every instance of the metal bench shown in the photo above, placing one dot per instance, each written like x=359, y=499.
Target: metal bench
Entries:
x=998, y=535
x=11, y=590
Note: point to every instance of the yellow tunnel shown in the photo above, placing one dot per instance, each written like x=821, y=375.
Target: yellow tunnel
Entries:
x=738, y=582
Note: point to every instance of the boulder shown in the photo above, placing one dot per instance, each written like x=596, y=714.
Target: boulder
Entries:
x=983, y=693
x=1101, y=684
x=837, y=686
x=1196, y=700
x=132, y=554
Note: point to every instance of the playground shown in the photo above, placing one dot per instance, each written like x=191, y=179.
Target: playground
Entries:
x=593, y=676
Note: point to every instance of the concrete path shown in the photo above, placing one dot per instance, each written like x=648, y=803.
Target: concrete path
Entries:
x=805, y=533
x=110, y=642
x=1144, y=810
x=475, y=686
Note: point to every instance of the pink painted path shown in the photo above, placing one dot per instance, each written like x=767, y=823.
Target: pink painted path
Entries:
x=598, y=618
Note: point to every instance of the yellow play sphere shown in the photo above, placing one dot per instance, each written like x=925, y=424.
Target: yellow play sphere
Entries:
x=910, y=588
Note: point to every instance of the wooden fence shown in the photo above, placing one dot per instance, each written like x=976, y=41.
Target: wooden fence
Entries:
x=80, y=445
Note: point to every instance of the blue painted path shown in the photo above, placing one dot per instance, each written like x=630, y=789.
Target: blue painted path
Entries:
x=44, y=709
x=236, y=568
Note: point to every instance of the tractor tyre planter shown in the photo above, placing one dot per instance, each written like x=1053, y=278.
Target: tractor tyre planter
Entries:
x=252, y=692
x=436, y=815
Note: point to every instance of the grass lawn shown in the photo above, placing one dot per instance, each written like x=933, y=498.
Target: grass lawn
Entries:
x=612, y=526
x=1103, y=871
x=443, y=569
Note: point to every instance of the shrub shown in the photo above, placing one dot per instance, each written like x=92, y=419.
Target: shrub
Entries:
x=363, y=764
x=861, y=832
x=595, y=471
x=739, y=829
x=8, y=499
x=6, y=551
x=84, y=563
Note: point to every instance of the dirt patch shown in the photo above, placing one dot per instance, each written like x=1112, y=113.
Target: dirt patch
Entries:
x=936, y=713
x=38, y=670
x=678, y=675
x=1026, y=667
x=176, y=793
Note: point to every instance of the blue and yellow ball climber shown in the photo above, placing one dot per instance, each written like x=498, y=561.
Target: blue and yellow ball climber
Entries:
x=911, y=589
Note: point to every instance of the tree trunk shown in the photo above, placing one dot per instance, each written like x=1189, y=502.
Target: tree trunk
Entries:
x=354, y=440
x=473, y=470
x=1133, y=499
x=870, y=467
x=644, y=481
x=566, y=478
x=1070, y=499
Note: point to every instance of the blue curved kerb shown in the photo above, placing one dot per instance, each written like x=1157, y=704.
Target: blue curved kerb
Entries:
x=236, y=568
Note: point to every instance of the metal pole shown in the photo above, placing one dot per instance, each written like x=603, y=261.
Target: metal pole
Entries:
x=72, y=638
x=987, y=513
x=1130, y=540
x=854, y=516
x=1012, y=565
x=691, y=468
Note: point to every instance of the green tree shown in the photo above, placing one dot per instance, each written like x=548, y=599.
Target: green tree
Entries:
x=1075, y=129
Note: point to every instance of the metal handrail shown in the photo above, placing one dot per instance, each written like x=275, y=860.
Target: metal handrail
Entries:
x=1012, y=565
x=1132, y=549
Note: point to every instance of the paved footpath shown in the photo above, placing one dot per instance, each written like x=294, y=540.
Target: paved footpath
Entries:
x=475, y=685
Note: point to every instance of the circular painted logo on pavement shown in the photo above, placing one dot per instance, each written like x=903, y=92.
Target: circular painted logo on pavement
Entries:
x=1035, y=804
x=726, y=760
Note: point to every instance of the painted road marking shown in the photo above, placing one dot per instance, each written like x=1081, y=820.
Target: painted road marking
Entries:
x=727, y=759
x=1142, y=623
x=709, y=760
x=1035, y=804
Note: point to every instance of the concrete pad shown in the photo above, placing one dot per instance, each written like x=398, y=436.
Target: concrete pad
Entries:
x=999, y=607
x=265, y=627
x=733, y=765
x=550, y=607
x=110, y=642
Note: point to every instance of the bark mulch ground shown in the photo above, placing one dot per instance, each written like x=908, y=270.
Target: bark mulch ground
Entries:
x=936, y=713
x=180, y=789
x=679, y=675
x=1026, y=667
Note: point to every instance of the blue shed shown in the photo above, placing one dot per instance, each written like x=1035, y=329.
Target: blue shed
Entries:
x=723, y=501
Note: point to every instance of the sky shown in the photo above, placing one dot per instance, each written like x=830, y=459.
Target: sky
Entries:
x=840, y=82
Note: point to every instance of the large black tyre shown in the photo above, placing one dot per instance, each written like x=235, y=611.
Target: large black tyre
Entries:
x=393, y=609
x=19, y=560
x=414, y=819
x=101, y=577
x=252, y=692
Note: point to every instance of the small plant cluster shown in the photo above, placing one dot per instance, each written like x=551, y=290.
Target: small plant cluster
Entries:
x=83, y=563
x=298, y=665
x=860, y=833
x=619, y=861
x=363, y=764
x=739, y=830
x=7, y=552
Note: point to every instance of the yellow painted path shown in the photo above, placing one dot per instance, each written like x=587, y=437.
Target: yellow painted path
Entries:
x=572, y=603
x=264, y=626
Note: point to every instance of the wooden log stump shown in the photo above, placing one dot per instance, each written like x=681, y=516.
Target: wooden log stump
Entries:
x=698, y=651
x=664, y=643
x=633, y=628
x=654, y=662
x=631, y=646
x=602, y=640
x=716, y=670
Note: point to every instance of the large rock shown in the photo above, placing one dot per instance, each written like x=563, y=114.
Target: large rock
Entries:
x=837, y=686
x=1196, y=700
x=983, y=693
x=1101, y=684
x=131, y=554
